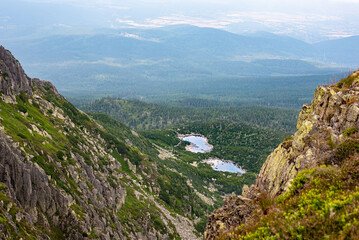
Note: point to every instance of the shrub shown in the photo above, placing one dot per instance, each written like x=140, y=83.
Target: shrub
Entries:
x=346, y=82
x=288, y=138
x=325, y=207
x=35, y=104
x=330, y=142
x=21, y=108
x=60, y=155
x=350, y=131
x=4, y=75
x=201, y=225
x=23, y=96
x=346, y=149
x=21, y=135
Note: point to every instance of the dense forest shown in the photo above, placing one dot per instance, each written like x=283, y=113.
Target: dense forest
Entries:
x=245, y=135
x=141, y=115
x=242, y=143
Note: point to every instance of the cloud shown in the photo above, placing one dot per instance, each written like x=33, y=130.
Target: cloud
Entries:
x=223, y=20
x=174, y=20
x=61, y=25
x=5, y=19
x=308, y=27
x=302, y=19
x=131, y=23
x=345, y=1
x=109, y=4
x=117, y=7
x=112, y=62
x=130, y=35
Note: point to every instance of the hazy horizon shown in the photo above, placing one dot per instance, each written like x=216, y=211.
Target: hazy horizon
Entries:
x=310, y=21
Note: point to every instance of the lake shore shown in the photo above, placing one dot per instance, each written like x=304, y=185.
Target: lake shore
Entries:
x=206, y=148
x=216, y=163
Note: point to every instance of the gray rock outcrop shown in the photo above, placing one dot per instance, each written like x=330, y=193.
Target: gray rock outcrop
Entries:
x=12, y=77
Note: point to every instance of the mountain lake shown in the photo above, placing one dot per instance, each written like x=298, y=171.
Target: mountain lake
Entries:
x=199, y=144
x=224, y=165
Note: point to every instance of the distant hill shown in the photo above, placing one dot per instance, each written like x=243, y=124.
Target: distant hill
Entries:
x=340, y=50
x=166, y=61
x=173, y=42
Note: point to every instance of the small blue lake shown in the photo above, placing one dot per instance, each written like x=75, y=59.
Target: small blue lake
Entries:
x=199, y=144
x=224, y=165
x=228, y=167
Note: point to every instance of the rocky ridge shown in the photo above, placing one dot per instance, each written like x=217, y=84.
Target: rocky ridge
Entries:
x=13, y=77
x=63, y=176
x=323, y=126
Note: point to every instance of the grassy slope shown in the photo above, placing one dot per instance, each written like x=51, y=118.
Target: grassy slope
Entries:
x=321, y=204
x=57, y=140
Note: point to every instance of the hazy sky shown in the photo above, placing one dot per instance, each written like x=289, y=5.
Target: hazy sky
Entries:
x=310, y=20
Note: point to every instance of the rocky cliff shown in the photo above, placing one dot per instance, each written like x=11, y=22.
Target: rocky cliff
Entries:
x=325, y=133
x=13, y=77
x=64, y=176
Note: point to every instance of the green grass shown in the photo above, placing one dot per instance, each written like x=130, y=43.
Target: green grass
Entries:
x=22, y=228
x=346, y=82
x=79, y=211
x=140, y=210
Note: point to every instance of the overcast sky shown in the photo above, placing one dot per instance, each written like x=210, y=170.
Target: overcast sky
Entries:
x=310, y=20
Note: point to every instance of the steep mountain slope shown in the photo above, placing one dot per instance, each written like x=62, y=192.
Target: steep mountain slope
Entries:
x=327, y=135
x=64, y=176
